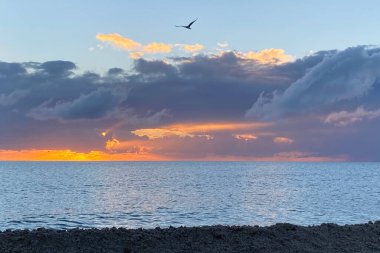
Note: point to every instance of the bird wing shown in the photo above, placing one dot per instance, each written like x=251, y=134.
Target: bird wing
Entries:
x=192, y=23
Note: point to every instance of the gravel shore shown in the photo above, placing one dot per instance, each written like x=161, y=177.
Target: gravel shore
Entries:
x=276, y=238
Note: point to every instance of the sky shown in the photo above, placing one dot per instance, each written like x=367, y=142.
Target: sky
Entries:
x=251, y=81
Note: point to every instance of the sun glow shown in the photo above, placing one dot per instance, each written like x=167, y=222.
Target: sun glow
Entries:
x=69, y=155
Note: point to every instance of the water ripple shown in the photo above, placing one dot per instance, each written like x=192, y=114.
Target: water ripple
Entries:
x=138, y=194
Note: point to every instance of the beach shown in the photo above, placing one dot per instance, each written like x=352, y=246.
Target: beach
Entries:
x=277, y=238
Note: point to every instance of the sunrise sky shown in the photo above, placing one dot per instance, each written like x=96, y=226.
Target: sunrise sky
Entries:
x=252, y=81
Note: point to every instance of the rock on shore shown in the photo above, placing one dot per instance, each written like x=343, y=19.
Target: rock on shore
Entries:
x=276, y=238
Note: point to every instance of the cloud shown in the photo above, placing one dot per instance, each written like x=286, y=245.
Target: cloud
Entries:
x=53, y=106
x=131, y=119
x=193, y=48
x=196, y=130
x=223, y=44
x=158, y=133
x=245, y=137
x=157, y=67
x=136, y=55
x=273, y=56
x=119, y=41
x=344, y=118
x=11, y=69
x=285, y=140
x=115, y=71
x=64, y=109
x=157, y=48
x=137, y=50
x=341, y=76
x=114, y=145
x=12, y=98
x=97, y=47
x=268, y=56
x=58, y=68
x=89, y=106
x=208, y=127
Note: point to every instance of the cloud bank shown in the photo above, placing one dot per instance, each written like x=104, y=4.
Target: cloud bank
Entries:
x=339, y=78
x=222, y=106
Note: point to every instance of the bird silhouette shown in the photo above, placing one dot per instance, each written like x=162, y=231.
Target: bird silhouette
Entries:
x=187, y=26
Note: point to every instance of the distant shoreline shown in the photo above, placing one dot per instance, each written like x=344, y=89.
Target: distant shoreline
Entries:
x=277, y=238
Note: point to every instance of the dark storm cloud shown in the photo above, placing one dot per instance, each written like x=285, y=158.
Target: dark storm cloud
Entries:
x=58, y=68
x=115, y=71
x=206, y=87
x=144, y=67
x=216, y=87
x=325, y=102
x=341, y=78
x=12, y=98
x=10, y=69
x=52, y=90
x=89, y=106
x=41, y=101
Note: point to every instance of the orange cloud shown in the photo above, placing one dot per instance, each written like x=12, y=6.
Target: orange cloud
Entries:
x=157, y=48
x=194, y=130
x=157, y=133
x=215, y=127
x=69, y=155
x=283, y=140
x=112, y=143
x=129, y=146
x=136, y=55
x=156, y=147
x=119, y=41
x=268, y=56
x=245, y=137
x=193, y=48
x=137, y=49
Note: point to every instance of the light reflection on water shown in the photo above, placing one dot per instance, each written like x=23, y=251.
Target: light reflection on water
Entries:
x=149, y=194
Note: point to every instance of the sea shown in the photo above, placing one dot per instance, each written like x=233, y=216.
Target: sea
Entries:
x=64, y=195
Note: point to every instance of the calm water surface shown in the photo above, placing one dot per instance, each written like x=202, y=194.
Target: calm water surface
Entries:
x=149, y=194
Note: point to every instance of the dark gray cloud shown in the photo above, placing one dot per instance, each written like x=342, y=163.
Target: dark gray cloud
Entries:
x=144, y=67
x=115, y=71
x=340, y=77
x=12, y=98
x=205, y=87
x=58, y=68
x=215, y=87
x=313, y=100
x=11, y=69
x=89, y=106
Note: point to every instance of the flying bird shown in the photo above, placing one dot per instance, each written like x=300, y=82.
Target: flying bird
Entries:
x=187, y=26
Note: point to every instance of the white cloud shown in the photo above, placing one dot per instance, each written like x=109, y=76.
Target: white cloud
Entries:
x=344, y=118
x=223, y=44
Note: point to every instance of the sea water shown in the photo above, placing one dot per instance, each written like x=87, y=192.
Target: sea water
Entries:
x=65, y=195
